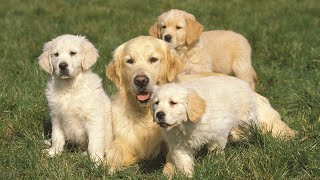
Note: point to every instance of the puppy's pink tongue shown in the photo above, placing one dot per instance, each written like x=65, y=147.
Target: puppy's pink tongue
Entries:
x=143, y=97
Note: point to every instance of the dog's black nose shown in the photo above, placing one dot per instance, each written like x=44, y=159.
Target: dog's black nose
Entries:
x=167, y=37
x=141, y=80
x=63, y=66
x=160, y=115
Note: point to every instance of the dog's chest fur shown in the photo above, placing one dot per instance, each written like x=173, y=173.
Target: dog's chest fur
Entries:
x=70, y=105
x=190, y=136
x=137, y=129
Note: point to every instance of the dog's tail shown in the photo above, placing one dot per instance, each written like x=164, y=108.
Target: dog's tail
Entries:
x=269, y=120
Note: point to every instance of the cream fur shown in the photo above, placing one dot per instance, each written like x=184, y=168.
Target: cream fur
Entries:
x=219, y=51
x=137, y=137
x=228, y=102
x=80, y=110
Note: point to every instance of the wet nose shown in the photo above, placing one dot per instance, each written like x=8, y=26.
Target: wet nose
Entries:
x=63, y=66
x=141, y=80
x=160, y=115
x=168, y=38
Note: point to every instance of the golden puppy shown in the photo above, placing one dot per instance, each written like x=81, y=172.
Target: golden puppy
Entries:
x=137, y=66
x=219, y=51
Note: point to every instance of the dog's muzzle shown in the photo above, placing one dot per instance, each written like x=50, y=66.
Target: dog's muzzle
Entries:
x=168, y=38
x=141, y=82
x=63, y=69
x=160, y=119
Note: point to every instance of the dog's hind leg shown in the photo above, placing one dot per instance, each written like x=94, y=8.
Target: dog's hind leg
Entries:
x=243, y=69
x=269, y=120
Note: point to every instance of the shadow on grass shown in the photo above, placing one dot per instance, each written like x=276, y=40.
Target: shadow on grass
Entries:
x=153, y=165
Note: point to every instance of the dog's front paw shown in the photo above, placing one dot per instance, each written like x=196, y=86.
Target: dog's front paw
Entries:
x=47, y=142
x=51, y=152
x=98, y=160
x=168, y=170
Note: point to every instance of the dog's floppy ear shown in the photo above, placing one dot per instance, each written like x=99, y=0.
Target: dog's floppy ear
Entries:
x=153, y=31
x=44, y=59
x=194, y=30
x=90, y=54
x=174, y=64
x=195, y=106
x=113, y=70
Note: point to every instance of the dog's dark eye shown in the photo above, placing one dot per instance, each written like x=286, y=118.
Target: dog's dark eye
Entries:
x=130, y=61
x=179, y=27
x=56, y=54
x=72, y=53
x=153, y=60
x=172, y=103
x=163, y=27
x=156, y=103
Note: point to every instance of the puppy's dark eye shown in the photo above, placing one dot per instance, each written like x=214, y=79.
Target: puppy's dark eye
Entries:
x=179, y=27
x=156, y=103
x=153, y=60
x=130, y=61
x=72, y=53
x=56, y=54
x=172, y=103
x=163, y=27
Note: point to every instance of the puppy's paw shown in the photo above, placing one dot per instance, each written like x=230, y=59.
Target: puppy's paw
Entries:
x=112, y=170
x=47, y=142
x=51, y=152
x=98, y=161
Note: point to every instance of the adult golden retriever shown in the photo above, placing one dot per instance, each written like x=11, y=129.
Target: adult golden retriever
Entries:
x=137, y=66
x=219, y=51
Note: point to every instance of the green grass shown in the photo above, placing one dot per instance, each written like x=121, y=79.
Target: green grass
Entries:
x=285, y=37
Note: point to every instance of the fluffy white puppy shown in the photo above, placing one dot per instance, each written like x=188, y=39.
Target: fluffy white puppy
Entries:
x=203, y=112
x=80, y=110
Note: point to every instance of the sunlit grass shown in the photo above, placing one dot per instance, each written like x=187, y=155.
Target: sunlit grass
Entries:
x=285, y=40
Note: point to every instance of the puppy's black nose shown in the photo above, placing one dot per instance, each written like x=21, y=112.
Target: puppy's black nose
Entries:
x=160, y=115
x=63, y=66
x=141, y=80
x=168, y=38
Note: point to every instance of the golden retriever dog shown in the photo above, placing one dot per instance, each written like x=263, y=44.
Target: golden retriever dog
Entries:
x=192, y=115
x=80, y=110
x=136, y=67
x=219, y=51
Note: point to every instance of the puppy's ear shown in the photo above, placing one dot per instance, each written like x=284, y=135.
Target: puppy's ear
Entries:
x=195, y=106
x=44, y=60
x=153, y=31
x=90, y=54
x=194, y=30
x=174, y=64
x=113, y=70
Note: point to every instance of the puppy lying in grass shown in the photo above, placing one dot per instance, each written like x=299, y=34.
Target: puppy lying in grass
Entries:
x=202, y=112
x=218, y=51
x=80, y=110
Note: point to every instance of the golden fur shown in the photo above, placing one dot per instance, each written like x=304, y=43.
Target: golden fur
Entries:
x=219, y=51
x=137, y=137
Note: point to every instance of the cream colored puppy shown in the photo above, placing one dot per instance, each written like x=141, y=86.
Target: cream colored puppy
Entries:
x=137, y=66
x=219, y=51
x=79, y=108
x=203, y=112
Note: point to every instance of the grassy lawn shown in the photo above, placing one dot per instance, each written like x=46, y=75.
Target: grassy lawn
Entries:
x=285, y=38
